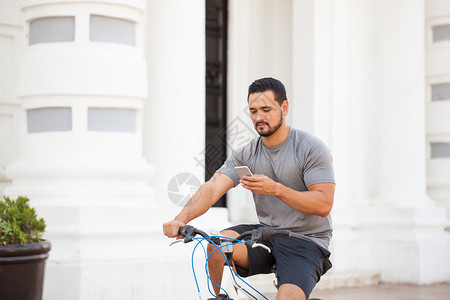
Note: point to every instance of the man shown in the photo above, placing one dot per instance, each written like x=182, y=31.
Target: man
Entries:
x=293, y=188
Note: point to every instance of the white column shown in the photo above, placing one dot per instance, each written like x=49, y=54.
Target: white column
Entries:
x=323, y=69
x=259, y=45
x=438, y=106
x=174, y=134
x=303, y=53
x=382, y=216
x=10, y=50
x=242, y=15
x=81, y=153
x=333, y=119
x=405, y=228
x=174, y=128
x=402, y=119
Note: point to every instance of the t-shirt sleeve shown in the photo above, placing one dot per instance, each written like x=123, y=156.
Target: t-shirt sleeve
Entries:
x=318, y=166
x=227, y=168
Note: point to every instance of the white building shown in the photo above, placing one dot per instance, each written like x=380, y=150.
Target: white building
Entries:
x=102, y=104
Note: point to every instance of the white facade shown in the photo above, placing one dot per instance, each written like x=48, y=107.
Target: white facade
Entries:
x=126, y=115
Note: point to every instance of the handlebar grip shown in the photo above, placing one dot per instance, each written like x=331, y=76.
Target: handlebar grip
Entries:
x=263, y=233
x=191, y=231
x=186, y=230
x=282, y=232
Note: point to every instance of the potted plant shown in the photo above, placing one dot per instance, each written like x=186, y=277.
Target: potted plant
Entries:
x=22, y=250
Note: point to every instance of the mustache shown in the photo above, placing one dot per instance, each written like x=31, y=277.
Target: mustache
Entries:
x=261, y=122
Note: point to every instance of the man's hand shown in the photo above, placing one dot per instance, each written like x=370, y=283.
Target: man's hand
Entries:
x=260, y=184
x=170, y=229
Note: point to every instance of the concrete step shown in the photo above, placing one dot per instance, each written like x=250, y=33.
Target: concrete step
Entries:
x=332, y=281
x=264, y=283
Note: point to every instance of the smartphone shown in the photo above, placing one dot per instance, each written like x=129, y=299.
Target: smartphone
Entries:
x=243, y=170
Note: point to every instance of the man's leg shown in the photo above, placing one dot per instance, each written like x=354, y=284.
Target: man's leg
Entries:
x=216, y=260
x=299, y=263
x=289, y=291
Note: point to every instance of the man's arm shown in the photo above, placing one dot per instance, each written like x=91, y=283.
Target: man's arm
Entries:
x=203, y=199
x=317, y=200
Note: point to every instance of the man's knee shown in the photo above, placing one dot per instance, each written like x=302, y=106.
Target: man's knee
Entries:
x=240, y=255
x=289, y=291
x=215, y=256
x=215, y=252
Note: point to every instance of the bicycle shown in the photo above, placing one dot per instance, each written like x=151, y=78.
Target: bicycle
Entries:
x=230, y=285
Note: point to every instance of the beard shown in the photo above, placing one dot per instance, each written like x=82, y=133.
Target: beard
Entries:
x=270, y=130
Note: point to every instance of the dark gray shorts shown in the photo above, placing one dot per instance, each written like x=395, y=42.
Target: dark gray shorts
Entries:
x=297, y=261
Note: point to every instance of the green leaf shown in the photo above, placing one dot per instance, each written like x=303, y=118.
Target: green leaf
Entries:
x=19, y=223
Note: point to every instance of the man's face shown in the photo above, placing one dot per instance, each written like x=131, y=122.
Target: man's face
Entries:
x=267, y=115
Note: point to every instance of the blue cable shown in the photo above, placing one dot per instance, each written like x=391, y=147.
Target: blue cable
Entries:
x=206, y=263
x=207, y=271
x=223, y=255
x=240, y=278
x=231, y=270
x=199, y=241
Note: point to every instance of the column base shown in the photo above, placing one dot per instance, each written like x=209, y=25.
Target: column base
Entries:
x=405, y=245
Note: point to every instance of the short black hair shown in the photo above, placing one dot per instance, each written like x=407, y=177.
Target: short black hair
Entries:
x=268, y=84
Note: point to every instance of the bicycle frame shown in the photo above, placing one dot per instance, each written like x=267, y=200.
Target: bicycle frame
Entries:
x=230, y=285
x=234, y=290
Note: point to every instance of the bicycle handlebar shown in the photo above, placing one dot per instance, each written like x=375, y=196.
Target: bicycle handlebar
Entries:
x=225, y=246
x=263, y=233
x=259, y=234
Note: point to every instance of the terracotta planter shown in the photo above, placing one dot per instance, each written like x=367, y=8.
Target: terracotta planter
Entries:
x=22, y=270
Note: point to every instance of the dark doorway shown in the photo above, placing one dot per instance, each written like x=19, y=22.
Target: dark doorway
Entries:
x=216, y=87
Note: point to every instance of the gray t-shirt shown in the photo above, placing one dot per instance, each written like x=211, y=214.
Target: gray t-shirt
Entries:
x=300, y=161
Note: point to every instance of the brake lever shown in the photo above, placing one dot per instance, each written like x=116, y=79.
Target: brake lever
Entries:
x=262, y=246
x=187, y=239
x=174, y=242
